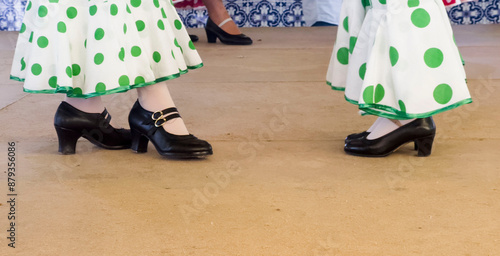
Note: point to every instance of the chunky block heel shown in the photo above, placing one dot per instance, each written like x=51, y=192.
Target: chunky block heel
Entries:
x=139, y=142
x=67, y=140
x=424, y=145
x=211, y=36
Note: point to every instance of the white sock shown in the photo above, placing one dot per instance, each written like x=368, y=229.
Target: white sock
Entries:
x=384, y=126
x=374, y=125
x=90, y=105
x=156, y=97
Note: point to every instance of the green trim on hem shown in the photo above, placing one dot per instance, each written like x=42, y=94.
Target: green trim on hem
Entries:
x=334, y=87
x=373, y=109
x=69, y=90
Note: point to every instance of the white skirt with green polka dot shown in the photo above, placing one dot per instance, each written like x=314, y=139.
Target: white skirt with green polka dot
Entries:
x=398, y=59
x=87, y=48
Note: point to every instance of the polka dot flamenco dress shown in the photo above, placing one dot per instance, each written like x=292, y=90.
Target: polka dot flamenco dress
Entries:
x=398, y=59
x=87, y=48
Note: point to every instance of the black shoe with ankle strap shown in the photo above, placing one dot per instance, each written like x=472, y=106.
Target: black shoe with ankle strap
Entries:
x=148, y=126
x=71, y=124
x=214, y=31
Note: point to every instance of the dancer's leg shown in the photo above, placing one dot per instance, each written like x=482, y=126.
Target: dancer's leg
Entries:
x=90, y=105
x=383, y=126
x=218, y=13
x=157, y=97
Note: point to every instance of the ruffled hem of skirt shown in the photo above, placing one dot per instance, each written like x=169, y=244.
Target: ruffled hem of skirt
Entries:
x=73, y=93
x=392, y=113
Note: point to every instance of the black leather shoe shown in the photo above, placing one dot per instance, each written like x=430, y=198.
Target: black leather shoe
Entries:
x=72, y=123
x=214, y=32
x=147, y=126
x=194, y=38
x=421, y=131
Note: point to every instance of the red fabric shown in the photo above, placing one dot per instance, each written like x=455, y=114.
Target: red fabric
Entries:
x=454, y=2
x=188, y=4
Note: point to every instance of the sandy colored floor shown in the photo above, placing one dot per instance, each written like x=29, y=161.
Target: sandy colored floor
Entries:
x=279, y=182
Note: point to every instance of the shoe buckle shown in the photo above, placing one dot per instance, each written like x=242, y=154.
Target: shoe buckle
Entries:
x=160, y=122
x=157, y=115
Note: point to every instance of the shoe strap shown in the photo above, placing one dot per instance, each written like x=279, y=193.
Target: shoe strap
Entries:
x=161, y=121
x=158, y=114
x=225, y=21
x=107, y=116
x=163, y=116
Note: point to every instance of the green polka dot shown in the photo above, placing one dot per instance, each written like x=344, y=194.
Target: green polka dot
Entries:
x=373, y=94
x=402, y=106
x=156, y=3
x=77, y=91
x=100, y=87
x=176, y=43
x=139, y=80
x=128, y=9
x=71, y=12
x=163, y=14
x=393, y=55
x=420, y=18
x=124, y=80
x=135, y=3
x=30, y=4
x=23, y=64
x=382, y=1
x=343, y=55
x=366, y=3
x=99, y=58
x=413, y=3
x=76, y=69
x=69, y=72
x=362, y=71
x=31, y=37
x=124, y=28
x=178, y=24
x=61, y=27
x=433, y=57
x=443, y=93
x=346, y=24
x=36, y=69
x=136, y=51
x=42, y=11
x=113, y=10
x=85, y=43
x=23, y=28
x=161, y=25
x=156, y=57
x=140, y=25
x=379, y=93
x=99, y=34
x=92, y=10
x=352, y=43
x=173, y=55
x=121, y=54
x=53, y=82
x=42, y=42
x=191, y=45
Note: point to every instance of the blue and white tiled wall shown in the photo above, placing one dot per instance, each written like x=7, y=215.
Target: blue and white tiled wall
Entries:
x=271, y=13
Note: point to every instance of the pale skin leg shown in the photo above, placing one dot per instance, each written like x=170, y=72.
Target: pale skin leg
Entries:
x=157, y=97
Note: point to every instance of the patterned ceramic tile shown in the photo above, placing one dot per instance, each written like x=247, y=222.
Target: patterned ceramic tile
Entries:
x=271, y=13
